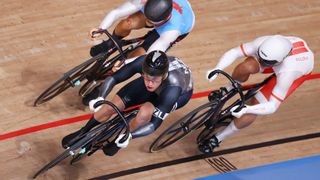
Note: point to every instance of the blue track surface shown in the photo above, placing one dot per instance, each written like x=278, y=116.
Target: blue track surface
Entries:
x=298, y=169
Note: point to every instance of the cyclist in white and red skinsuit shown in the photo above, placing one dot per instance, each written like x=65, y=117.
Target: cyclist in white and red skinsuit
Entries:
x=288, y=57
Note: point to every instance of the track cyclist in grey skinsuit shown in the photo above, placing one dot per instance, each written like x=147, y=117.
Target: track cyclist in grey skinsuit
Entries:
x=165, y=85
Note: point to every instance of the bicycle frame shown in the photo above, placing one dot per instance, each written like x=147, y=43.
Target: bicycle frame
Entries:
x=93, y=139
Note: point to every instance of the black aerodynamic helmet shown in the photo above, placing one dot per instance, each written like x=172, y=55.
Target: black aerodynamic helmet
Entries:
x=158, y=10
x=155, y=64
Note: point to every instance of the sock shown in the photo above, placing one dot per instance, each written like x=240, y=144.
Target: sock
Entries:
x=229, y=130
x=90, y=124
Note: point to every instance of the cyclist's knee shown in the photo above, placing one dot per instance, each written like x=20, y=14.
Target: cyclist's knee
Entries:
x=145, y=113
x=105, y=112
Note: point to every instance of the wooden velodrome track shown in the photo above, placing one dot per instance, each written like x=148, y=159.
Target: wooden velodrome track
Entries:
x=40, y=40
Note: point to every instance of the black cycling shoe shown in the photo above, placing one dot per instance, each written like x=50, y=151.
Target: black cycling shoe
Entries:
x=68, y=140
x=90, y=96
x=207, y=146
x=110, y=149
x=102, y=47
x=105, y=45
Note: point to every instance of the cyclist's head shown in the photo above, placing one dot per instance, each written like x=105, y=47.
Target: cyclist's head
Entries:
x=274, y=50
x=155, y=69
x=158, y=11
x=156, y=64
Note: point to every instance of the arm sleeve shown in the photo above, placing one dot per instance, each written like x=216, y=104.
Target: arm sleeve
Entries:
x=123, y=10
x=244, y=50
x=165, y=104
x=279, y=92
x=164, y=41
x=121, y=75
x=230, y=56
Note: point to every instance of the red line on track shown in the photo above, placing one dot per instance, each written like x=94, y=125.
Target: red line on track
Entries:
x=87, y=116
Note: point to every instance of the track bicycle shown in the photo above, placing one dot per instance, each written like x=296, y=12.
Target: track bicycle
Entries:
x=91, y=72
x=95, y=139
x=211, y=117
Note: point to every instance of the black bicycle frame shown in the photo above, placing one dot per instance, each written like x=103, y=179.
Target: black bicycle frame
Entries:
x=220, y=116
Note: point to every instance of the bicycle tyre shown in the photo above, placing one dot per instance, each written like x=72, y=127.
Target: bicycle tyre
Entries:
x=73, y=76
x=52, y=163
x=171, y=134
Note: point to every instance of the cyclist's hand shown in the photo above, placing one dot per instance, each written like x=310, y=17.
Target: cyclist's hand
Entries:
x=240, y=113
x=94, y=33
x=93, y=102
x=213, y=77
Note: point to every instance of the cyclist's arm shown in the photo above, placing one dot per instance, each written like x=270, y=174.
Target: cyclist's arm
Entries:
x=279, y=92
x=123, y=10
x=164, y=105
x=244, y=50
x=164, y=41
x=121, y=75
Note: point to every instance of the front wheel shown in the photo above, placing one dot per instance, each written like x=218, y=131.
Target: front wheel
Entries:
x=183, y=126
x=54, y=162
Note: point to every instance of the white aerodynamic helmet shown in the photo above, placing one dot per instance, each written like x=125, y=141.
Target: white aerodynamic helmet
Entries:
x=274, y=50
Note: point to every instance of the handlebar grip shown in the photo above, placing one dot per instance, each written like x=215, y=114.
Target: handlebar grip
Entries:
x=212, y=73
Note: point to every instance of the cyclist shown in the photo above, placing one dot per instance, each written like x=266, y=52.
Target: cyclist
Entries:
x=165, y=85
x=171, y=21
x=288, y=57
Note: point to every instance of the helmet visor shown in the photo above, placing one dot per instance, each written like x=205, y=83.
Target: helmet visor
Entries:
x=265, y=62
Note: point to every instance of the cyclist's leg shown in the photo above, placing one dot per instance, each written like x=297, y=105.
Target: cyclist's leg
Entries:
x=129, y=98
x=100, y=116
x=123, y=29
x=151, y=37
x=180, y=38
x=147, y=124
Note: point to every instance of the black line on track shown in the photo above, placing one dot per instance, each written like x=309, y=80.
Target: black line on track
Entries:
x=202, y=156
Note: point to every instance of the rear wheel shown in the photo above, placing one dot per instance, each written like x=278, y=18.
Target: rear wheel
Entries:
x=70, y=79
x=183, y=126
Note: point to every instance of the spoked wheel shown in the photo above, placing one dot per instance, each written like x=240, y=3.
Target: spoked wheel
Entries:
x=70, y=79
x=183, y=126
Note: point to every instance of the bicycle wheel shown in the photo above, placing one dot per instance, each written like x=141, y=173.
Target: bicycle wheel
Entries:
x=183, y=126
x=70, y=79
x=73, y=150
x=209, y=132
x=106, y=133
x=52, y=163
